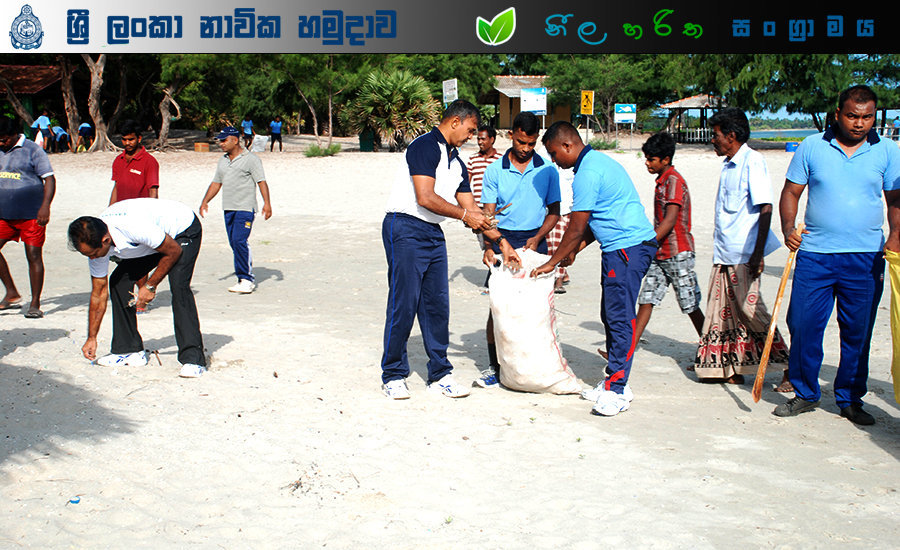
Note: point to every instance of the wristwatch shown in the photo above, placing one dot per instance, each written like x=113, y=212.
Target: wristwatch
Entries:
x=151, y=288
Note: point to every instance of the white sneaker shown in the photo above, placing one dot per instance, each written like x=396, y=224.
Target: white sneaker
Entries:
x=449, y=387
x=610, y=404
x=136, y=359
x=396, y=389
x=592, y=394
x=190, y=370
x=244, y=286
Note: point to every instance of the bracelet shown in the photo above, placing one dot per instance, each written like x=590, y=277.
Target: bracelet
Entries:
x=464, y=214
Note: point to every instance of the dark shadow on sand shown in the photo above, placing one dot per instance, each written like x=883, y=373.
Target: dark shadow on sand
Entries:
x=472, y=274
x=261, y=274
x=39, y=407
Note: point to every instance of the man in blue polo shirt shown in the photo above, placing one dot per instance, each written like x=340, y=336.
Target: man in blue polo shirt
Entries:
x=605, y=200
x=431, y=176
x=42, y=123
x=275, y=134
x=846, y=169
x=526, y=189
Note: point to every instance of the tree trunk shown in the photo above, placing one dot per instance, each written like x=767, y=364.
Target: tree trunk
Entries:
x=68, y=93
x=166, y=115
x=16, y=103
x=101, y=139
x=123, y=99
x=315, y=120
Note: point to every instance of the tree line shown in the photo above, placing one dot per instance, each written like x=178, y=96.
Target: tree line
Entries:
x=397, y=95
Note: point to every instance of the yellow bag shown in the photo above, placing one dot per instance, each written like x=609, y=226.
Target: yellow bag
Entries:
x=893, y=260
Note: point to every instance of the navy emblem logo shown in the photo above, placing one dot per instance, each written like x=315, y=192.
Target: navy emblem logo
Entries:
x=26, y=32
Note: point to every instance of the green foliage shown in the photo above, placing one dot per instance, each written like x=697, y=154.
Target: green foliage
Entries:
x=474, y=72
x=602, y=144
x=328, y=151
x=396, y=106
x=614, y=78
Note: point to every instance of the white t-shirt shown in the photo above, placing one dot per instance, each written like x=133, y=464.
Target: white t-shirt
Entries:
x=744, y=186
x=138, y=227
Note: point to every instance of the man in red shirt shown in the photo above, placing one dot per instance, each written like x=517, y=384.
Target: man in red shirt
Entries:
x=135, y=172
x=135, y=175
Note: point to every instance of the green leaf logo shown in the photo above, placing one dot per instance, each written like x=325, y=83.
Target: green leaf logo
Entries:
x=498, y=30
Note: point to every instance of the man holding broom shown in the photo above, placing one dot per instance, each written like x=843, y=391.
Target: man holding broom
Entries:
x=840, y=255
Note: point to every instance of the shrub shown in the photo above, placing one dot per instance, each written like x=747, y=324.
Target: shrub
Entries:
x=602, y=144
x=397, y=106
x=330, y=151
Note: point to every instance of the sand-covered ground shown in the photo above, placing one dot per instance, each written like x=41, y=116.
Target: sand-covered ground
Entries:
x=288, y=442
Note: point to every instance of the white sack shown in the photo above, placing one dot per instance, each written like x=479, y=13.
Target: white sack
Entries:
x=259, y=144
x=525, y=329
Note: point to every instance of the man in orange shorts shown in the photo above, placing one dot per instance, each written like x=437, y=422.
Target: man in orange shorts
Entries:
x=27, y=186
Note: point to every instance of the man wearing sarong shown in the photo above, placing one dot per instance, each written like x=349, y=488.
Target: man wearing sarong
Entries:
x=734, y=332
x=840, y=259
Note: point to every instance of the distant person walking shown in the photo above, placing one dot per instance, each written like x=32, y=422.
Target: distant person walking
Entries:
x=247, y=130
x=42, y=123
x=238, y=174
x=275, y=134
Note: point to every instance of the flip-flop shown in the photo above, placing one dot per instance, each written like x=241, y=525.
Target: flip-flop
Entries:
x=34, y=313
x=9, y=304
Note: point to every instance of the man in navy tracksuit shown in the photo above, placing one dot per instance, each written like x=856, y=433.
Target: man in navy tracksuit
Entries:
x=605, y=208
x=429, y=187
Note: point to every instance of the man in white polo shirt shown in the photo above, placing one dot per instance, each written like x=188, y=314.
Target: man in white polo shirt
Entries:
x=430, y=186
x=142, y=235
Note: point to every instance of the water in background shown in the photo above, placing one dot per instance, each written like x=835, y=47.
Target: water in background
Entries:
x=799, y=134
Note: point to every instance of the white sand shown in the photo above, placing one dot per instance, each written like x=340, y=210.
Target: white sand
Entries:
x=288, y=442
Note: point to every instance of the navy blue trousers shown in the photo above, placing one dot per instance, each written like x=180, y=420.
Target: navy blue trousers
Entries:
x=517, y=239
x=417, y=287
x=238, y=224
x=621, y=274
x=855, y=281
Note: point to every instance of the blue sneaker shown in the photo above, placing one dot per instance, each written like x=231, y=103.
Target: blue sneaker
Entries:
x=489, y=379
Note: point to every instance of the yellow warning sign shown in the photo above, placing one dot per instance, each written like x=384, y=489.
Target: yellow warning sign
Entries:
x=587, y=102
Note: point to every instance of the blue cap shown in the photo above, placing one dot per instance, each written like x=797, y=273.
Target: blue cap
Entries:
x=228, y=131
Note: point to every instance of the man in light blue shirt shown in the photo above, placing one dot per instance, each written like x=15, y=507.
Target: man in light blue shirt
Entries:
x=275, y=133
x=42, y=123
x=847, y=169
x=247, y=129
x=605, y=200
x=526, y=189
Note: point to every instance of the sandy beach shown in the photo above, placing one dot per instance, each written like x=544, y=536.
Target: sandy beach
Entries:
x=288, y=442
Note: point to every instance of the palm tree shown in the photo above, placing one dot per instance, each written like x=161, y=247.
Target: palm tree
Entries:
x=396, y=106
